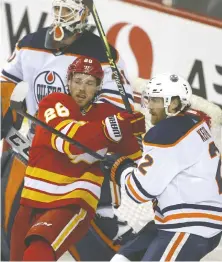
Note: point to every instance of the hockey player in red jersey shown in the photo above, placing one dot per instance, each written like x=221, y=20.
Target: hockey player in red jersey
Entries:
x=180, y=171
x=41, y=59
x=62, y=183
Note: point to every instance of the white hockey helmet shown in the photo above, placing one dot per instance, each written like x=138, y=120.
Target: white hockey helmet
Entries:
x=166, y=86
x=74, y=20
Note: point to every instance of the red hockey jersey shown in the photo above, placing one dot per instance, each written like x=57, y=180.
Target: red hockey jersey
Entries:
x=59, y=173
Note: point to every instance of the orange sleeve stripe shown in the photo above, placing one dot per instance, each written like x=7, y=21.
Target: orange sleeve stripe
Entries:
x=188, y=215
x=134, y=192
x=180, y=139
x=175, y=246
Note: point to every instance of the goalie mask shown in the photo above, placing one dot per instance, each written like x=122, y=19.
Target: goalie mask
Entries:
x=167, y=86
x=70, y=17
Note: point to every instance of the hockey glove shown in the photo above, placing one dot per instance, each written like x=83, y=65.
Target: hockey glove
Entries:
x=117, y=126
x=115, y=165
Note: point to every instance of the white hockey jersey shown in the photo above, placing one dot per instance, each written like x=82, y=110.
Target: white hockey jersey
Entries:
x=45, y=70
x=181, y=172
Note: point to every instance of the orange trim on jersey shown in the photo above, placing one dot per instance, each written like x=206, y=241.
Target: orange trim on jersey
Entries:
x=66, y=54
x=175, y=143
x=188, y=215
x=7, y=79
x=117, y=100
x=177, y=12
x=15, y=180
x=115, y=191
x=74, y=253
x=134, y=192
x=104, y=237
x=175, y=246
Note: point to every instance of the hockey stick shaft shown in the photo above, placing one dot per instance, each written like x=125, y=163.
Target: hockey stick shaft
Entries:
x=116, y=73
x=59, y=134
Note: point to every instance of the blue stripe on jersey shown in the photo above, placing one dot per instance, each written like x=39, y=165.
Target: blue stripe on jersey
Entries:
x=189, y=224
x=80, y=46
x=169, y=130
x=11, y=77
x=129, y=96
x=128, y=193
x=141, y=189
x=191, y=206
x=157, y=209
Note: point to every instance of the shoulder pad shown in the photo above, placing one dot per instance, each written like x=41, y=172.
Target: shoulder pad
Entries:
x=170, y=130
x=90, y=44
x=34, y=40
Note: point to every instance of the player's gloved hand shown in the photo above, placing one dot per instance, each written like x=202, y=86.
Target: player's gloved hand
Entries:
x=115, y=165
x=116, y=126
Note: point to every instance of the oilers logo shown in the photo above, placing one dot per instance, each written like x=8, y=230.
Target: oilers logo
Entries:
x=48, y=82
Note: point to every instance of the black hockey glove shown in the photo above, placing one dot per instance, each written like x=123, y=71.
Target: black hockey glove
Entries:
x=114, y=164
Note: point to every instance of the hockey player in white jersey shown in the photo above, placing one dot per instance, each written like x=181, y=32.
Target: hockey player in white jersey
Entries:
x=180, y=171
x=42, y=59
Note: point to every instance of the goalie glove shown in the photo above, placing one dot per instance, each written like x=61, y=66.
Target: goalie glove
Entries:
x=124, y=124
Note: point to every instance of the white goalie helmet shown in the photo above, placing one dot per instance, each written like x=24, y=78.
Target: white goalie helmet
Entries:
x=69, y=16
x=166, y=86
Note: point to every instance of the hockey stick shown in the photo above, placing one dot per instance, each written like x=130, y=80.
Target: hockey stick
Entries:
x=116, y=74
x=16, y=103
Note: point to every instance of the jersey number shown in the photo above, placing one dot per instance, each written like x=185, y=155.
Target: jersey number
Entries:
x=59, y=110
x=148, y=162
x=213, y=151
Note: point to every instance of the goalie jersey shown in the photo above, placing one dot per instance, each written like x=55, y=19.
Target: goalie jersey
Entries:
x=45, y=70
x=181, y=172
x=68, y=175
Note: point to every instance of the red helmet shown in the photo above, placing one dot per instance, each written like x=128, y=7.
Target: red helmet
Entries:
x=86, y=65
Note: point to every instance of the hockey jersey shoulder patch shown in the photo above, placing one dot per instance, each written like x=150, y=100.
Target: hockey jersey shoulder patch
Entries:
x=170, y=131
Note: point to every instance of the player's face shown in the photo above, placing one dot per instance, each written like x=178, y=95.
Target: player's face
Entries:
x=83, y=88
x=156, y=109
